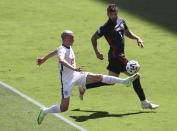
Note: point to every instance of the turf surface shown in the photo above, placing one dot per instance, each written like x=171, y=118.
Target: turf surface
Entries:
x=18, y=114
x=31, y=29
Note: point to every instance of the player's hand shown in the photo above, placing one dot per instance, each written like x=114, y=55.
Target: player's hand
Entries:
x=79, y=69
x=99, y=56
x=40, y=61
x=140, y=42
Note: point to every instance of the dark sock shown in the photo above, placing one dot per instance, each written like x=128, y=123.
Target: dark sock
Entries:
x=138, y=89
x=97, y=84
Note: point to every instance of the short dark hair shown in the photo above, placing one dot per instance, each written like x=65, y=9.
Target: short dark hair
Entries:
x=112, y=8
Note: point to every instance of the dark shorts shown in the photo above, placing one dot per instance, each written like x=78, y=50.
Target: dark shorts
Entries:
x=117, y=65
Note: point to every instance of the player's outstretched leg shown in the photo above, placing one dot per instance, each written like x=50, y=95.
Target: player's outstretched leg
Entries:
x=130, y=79
x=148, y=105
x=41, y=116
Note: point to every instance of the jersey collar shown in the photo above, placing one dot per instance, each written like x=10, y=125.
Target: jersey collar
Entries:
x=65, y=46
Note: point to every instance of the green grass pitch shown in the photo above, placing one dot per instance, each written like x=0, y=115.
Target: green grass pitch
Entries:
x=18, y=114
x=30, y=29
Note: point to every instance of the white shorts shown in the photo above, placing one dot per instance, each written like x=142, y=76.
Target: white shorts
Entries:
x=79, y=80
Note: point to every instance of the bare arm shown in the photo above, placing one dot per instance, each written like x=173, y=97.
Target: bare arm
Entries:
x=94, y=44
x=131, y=35
x=66, y=64
x=61, y=60
x=42, y=60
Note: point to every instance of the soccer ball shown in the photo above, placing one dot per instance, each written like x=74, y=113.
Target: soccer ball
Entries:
x=132, y=67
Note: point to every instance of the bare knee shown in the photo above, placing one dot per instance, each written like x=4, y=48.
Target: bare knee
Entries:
x=98, y=77
x=92, y=78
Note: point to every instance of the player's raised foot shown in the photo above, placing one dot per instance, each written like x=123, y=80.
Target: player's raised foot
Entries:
x=148, y=105
x=81, y=92
x=130, y=79
x=41, y=116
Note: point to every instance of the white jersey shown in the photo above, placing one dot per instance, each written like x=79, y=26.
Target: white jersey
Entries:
x=67, y=54
x=68, y=77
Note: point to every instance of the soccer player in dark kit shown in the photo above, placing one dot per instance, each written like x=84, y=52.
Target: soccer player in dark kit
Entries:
x=114, y=30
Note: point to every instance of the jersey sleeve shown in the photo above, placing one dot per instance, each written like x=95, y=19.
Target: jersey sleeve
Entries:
x=101, y=31
x=124, y=23
x=61, y=52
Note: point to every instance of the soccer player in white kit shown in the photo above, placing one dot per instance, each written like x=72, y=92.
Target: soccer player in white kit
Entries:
x=71, y=76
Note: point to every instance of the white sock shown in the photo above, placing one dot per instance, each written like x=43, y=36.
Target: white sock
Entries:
x=112, y=80
x=144, y=101
x=53, y=109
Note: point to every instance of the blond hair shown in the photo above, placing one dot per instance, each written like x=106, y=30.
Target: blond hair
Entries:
x=65, y=33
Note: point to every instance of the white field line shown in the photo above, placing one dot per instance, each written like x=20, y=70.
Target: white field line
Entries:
x=40, y=105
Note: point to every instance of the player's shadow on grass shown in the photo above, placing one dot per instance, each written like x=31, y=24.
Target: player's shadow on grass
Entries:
x=101, y=114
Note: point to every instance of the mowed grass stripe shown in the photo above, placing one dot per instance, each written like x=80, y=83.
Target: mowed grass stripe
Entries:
x=32, y=28
x=18, y=114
